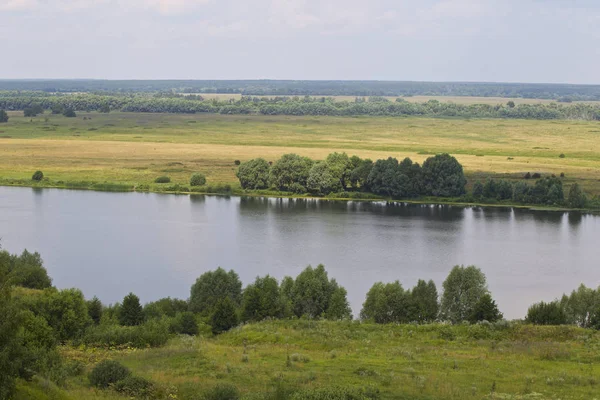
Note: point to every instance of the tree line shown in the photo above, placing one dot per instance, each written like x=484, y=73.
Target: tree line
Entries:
x=564, y=92
x=300, y=106
x=35, y=317
x=441, y=175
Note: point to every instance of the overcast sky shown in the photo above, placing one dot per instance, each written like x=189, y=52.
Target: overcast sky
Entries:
x=429, y=40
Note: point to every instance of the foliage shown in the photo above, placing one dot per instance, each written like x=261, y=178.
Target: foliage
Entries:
x=131, y=312
x=3, y=116
x=197, y=179
x=135, y=386
x=424, y=306
x=222, y=391
x=254, y=174
x=37, y=176
x=95, y=308
x=581, y=305
x=212, y=287
x=261, y=300
x=185, y=323
x=10, y=343
x=291, y=169
x=27, y=270
x=165, y=307
x=224, y=316
x=312, y=293
x=576, y=198
x=321, y=180
x=70, y=113
x=443, y=176
x=546, y=314
x=463, y=288
x=386, y=303
x=162, y=179
x=108, y=372
x=485, y=310
x=336, y=393
x=152, y=333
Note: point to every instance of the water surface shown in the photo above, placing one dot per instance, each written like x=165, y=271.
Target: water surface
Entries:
x=109, y=244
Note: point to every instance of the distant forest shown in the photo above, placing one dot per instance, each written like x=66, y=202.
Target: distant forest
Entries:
x=559, y=92
x=34, y=103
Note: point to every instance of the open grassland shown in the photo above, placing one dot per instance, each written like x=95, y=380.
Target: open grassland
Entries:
x=412, y=99
x=135, y=148
x=400, y=362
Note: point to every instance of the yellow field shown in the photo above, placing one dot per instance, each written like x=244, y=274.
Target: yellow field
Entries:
x=136, y=148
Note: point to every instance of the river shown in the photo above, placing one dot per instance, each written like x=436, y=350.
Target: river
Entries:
x=110, y=244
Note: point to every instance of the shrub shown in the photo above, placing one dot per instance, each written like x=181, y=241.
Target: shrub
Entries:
x=485, y=310
x=546, y=314
x=562, y=155
x=224, y=317
x=197, y=179
x=162, y=179
x=254, y=174
x=223, y=391
x=135, y=386
x=108, y=372
x=337, y=393
x=69, y=113
x=185, y=323
x=536, y=175
x=212, y=287
x=153, y=333
x=237, y=162
x=37, y=176
x=3, y=116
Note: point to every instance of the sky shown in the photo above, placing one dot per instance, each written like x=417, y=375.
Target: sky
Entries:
x=546, y=41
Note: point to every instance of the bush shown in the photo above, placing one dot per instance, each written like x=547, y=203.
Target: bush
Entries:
x=108, y=372
x=237, y=162
x=546, y=314
x=337, y=393
x=562, y=155
x=3, y=116
x=37, y=176
x=162, y=179
x=197, y=179
x=153, y=333
x=69, y=113
x=224, y=317
x=185, y=323
x=135, y=386
x=223, y=391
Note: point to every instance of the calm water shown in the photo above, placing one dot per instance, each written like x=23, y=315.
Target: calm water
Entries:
x=109, y=244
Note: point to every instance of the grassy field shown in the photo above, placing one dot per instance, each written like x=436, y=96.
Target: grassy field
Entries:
x=136, y=148
x=413, y=99
x=401, y=362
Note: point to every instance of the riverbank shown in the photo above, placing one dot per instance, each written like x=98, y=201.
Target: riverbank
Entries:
x=229, y=190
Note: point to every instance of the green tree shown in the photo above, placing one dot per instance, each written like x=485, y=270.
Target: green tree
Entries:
x=387, y=178
x=212, y=287
x=478, y=190
x=10, y=326
x=66, y=312
x=261, y=300
x=131, y=312
x=581, y=305
x=340, y=168
x=187, y=324
x=69, y=113
x=28, y=270
x=485, y=310
x=311, y=293
x=546, y=314
x=291, y=171
x=424, y=304
x=576, y=198
x=95, y=308
x=3, y=116
x=254, y=174
x=224, y=316
x=321, y=179
x=386, y=303
x=197, y=179
x=104, y=108
x=443, y=176
x=165, y=307
x=360, y=173
x=463, y=288
x=339, y=308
